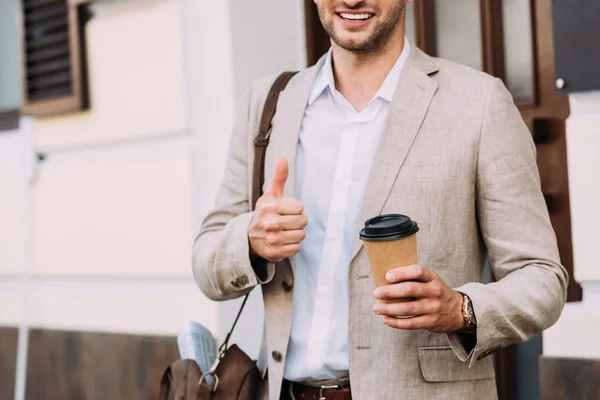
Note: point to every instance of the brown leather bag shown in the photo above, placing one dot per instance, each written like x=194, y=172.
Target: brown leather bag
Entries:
x=236, y=376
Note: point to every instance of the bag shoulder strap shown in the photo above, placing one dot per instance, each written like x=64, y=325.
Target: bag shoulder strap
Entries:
x=260, y=150
x=264, y=134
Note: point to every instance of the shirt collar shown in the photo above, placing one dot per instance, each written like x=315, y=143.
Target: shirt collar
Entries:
x=326, y=80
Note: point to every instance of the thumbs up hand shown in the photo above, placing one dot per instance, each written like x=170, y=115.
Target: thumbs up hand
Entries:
x=277, y=227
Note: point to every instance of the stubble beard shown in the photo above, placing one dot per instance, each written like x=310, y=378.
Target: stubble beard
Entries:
x=381, y=34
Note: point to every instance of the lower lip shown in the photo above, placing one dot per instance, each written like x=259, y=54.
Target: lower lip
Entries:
x=354, y=24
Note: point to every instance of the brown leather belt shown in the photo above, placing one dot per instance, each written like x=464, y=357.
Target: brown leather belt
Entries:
x=338, y=391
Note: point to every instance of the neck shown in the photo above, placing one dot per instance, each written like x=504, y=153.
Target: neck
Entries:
x=358, y=76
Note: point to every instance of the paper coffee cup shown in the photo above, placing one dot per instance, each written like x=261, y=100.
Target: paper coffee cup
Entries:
x=391, y=242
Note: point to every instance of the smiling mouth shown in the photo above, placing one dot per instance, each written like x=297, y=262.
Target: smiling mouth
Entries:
x=355, y=17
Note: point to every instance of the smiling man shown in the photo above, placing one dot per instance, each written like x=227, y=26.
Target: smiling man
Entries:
x=379, y=127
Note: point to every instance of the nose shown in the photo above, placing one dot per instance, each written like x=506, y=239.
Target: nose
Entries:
x=354, y=3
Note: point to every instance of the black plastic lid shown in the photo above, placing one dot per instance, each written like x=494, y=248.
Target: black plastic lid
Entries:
x=388, y=227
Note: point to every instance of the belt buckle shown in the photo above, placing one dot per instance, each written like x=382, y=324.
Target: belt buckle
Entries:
x=327, y=387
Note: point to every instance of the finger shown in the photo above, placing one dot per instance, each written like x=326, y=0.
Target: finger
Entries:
x=270, y=224
x=279, y=179
x=408, y=308
x=290, y=250
x=293, y=237
x=290, y=206
x=413, y=272
x=292, y=222
x=420, y=322
x=401, y=290
x=279, y=253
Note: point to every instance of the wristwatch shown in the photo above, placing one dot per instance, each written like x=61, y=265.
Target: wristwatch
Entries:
x=468, y=315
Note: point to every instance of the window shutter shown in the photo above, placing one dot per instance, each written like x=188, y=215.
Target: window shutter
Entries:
x=54, y=71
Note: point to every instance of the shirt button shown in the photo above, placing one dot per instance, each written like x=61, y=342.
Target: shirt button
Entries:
x=276, y=356
x=287, y=287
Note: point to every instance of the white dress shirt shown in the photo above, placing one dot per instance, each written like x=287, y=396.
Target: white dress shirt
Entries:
x=333, y=161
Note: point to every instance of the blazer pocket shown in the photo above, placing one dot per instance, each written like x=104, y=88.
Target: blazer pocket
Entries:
x=440, y=364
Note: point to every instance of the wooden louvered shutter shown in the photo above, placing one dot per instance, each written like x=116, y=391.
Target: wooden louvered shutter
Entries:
x=53, y=56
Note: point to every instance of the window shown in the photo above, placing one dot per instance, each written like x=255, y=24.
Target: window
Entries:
x=491, y=35
x=460, y=45
x=517, y=30
x=53, y=56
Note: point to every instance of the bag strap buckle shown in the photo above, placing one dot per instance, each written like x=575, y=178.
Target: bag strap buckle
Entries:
x=263, y=140
x=213, y=370
x=214, y=375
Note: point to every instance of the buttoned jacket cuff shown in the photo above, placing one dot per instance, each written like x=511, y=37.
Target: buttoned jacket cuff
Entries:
x=486, y=342
x=235, y=255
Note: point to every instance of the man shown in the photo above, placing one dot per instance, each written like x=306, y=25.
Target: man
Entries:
x=379, y=127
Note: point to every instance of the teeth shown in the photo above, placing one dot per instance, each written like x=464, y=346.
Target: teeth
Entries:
x=355, y=17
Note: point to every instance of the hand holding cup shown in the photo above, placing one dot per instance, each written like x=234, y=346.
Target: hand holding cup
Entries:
x=410, y=296
x=428, y=303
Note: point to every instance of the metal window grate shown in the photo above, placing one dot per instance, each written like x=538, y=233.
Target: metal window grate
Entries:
x=54, y=56
x=47, y=54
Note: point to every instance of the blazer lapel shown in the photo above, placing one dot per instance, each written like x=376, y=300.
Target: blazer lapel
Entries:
x=286, y=127
x=288, y=121
x=409, y=106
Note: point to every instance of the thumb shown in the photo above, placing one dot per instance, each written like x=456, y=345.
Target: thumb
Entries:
x=279, y=178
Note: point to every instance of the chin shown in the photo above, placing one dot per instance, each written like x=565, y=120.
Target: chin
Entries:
x=354, y=46
x=357, y=43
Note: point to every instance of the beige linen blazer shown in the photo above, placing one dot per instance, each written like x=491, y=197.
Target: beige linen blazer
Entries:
x=457, y=158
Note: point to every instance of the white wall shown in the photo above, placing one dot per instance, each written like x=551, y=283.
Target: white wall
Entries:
x=16, y=169
x=115, y=211
x=98, y=236
x=576, y=333
x=583, y=146
x=208, y=69
x=13, y=202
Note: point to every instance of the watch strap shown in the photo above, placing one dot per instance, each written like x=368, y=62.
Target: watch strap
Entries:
x=468, y=314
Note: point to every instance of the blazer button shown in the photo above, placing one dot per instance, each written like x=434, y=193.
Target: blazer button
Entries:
x=276, y=356
x=287, y=287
